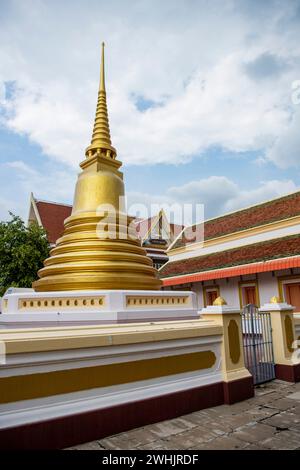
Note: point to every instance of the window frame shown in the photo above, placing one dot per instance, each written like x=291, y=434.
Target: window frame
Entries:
x=206, y=289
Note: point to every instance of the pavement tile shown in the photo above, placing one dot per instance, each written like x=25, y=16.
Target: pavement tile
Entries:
x=240, y=420
x=284, y=440
x=127, y=440
x=222, y=410
x=94, y=445
x=230, y=410
x=253, y=447
x=199, y=419
x=222, y=443
x=159, y=445
x=170, y=428
x=284, y=420
x=262, y=390
x=255, y=433
x=267, y=399
x=219, y=427
x=283, y=404
x=140, y=436
x=294, y=396
x=116, y=443
x=192, y=438
x=259, y=413
x=278, y=384
x=183, y=423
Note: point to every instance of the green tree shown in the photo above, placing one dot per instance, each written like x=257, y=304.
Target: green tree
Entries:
x=22, y=252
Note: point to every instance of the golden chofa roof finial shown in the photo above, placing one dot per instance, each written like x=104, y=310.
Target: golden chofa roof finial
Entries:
x=101, y=142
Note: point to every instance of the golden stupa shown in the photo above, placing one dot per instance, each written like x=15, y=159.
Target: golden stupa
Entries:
x=85, y=257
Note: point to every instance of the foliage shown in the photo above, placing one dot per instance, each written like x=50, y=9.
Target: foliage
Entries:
x=22, y=252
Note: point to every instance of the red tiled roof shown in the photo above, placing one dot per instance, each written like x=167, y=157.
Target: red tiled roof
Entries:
x=52, y=216
x=267, y=212
x=262, y=251
x=263, y=266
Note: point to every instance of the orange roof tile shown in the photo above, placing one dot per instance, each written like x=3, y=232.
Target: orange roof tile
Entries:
x=253, y=268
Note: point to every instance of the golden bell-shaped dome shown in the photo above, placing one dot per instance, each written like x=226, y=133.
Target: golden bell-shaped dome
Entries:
x=98, y=248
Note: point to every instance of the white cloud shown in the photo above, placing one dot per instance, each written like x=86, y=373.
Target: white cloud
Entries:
x=192, y=62
x=6, y=205
x=286, y=150
x=56, y=185
x=267, y=190
x=197, y=70
x=218, y=194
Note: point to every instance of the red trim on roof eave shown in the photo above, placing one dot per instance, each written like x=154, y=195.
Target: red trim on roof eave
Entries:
x=262, y=266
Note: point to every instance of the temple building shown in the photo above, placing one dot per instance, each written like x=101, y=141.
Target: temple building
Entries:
x=246, y=257
x=156, y=233
x=96, y=347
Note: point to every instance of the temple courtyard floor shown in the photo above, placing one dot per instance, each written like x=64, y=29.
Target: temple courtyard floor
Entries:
x=270, y=420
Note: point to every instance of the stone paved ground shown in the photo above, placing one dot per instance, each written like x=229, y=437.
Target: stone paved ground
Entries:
x=271, y=420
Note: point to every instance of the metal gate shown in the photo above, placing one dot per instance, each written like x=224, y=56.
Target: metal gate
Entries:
x=258, y=344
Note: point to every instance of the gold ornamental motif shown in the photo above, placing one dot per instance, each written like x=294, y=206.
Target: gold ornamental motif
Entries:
x=289, y=333
x=219, y=301
x=234, y=341
x=84, y=258
x=275, y=300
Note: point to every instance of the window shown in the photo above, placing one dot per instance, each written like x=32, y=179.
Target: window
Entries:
x=249, y=294
x=292, y=295
x=210, y=294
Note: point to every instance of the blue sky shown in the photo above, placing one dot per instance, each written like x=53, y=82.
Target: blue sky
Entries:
x=203, y=98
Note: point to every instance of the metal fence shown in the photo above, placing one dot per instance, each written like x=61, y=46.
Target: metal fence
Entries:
x=258, y=344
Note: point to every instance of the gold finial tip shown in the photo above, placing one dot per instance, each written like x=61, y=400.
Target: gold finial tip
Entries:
x=275, y=300
x=219, y=301
x=103, y=44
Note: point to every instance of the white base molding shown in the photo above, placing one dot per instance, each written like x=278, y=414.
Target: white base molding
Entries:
x=60, y=386
x=92, y=307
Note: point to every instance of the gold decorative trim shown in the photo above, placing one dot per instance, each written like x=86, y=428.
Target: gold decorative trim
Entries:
x=27, y=387
x=139, y=301
x=289, y=333
x=275, y=300
x=64, y=303
x=234, y=341
x=219, y=301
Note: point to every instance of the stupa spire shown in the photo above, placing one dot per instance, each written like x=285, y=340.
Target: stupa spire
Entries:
x=102, y=70
x=101, y=141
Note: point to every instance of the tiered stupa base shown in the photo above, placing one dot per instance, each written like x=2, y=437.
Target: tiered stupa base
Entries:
x=88, y=256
